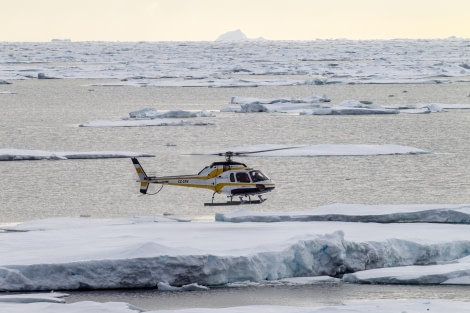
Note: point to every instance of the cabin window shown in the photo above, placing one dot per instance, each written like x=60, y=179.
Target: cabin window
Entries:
x=257, y=176
x=232, y=177
x=243, y=177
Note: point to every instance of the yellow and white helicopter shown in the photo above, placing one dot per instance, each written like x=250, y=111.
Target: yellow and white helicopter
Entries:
x=228, y=177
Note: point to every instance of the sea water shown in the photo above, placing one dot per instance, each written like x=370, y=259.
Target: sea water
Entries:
x=45, y=115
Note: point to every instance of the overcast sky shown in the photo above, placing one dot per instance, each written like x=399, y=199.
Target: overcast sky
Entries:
x=180, y=20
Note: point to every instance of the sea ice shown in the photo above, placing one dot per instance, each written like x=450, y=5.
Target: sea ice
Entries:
x=383, y=306
x=145, y=252
x=152, y=113
x=144, y=122
x=314, y=105
x=268, y=150
x=228, y=63
x=22, y=154
x=438, y=213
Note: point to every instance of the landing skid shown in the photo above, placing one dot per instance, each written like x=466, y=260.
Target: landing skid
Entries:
x=235, y=202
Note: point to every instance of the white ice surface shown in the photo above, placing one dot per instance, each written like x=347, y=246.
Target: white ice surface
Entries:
x=143, y=122
x=67, y=253
x=54, y=297
x=152, y=113
x=242, y=63
x=435, y=213
x=384, y=306
x=8, y=154
x=316, y=105
x=322, y=150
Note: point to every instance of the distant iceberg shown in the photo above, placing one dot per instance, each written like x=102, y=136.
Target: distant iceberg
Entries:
x=235, y=35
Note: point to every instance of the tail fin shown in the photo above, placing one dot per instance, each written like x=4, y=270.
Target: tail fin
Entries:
x=142, y=176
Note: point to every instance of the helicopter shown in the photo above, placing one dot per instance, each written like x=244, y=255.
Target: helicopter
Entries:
x=234, y=179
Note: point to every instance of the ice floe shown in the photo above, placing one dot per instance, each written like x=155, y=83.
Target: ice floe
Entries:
x=315, y=105
x=153, y=117
x=438, y=213
x=268, y=150
x=52, y=297
x=8, y=154
x=383, y=306
x=143, y=123
x=68, y=253
x=228, y=63
x=152, y=113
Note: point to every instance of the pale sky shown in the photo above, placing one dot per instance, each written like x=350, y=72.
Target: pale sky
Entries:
x=195, y=20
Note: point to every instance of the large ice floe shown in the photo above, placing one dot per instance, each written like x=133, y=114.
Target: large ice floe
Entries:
x=315, y=105
x=338, y=212
x=8, y=154
x=275, y=150
x=149, y=252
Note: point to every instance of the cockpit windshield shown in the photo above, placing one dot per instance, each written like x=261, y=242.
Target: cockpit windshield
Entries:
x=257, y=176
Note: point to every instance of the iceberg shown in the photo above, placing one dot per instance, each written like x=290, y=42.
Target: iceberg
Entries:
x=8, y=154
x=235, y=35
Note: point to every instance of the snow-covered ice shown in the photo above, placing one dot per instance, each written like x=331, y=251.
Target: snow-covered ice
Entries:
x=144, y=122
x=228, y=63
x=315, y=105
x=383, y=306
x=139, y=252
x=274, y=150
x=339, y=212
x=153, y=117
x=152, y=113
x=9, y=154
x=54, y=297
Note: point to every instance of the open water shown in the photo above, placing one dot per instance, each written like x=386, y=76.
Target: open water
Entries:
x=45, y=114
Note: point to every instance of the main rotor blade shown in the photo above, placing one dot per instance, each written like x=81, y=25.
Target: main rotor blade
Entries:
x=241, y=153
